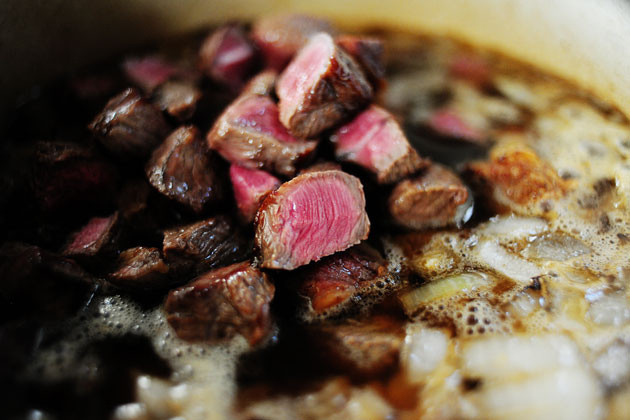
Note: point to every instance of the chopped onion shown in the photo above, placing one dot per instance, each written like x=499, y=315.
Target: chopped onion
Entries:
x=513, y=227
x=555, y=247
x=610, y=310
x=494, y=256
x=423, y=350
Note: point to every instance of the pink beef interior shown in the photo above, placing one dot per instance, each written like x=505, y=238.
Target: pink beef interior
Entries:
x=250, y=185
x=233, y=50
x=304, y=70
x=372, y=140
x=260, y=113
x=321, y=216
x=89, y=234
x=148, y=72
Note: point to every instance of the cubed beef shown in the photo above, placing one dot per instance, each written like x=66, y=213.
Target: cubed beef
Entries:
x=133, y=200
x=264, y=83
x=250, y=187
x=279, y=37
x=515, y=178
x=94, y=240
x=361, y=348
x=130, y=126
x=470, y=67
x=249, y=133
x=228, y=56
x=36, y=282
x=222, y=303
x=148, y=72
x=140, y=269
x=68, y=176
x=321, y=87
x=311, y=216
x=335, y=283
x=435, y=198
x=448, y=123
x=369, y=53
x=177, y=98
x=375, y=141
x=182, y=169
x=203, y=245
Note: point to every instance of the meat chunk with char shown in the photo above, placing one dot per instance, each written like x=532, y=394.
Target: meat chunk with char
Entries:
x=140, y=269
x=309, y=217
x=228, y=56
x=130, y=126
x=182, y=169
x=264, y=83
x=375, y=141
x=320, y=88
x=178, y=99
x=250, y=187
x=204, y=245
x=369, y=53
x=249, y=133
x=222, y=303
x=69, y=176
x=149, y=72
x=333, y=284
x=279, y=37
x=435, y=198
x=94, y=240
x=515, y=178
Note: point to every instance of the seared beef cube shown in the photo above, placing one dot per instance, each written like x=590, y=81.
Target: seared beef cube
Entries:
x=515, y=178
x=336, y=282
x=204, y=245
x=321, y=166
x=228, y=56
x=279, y=37
x=178, y=99
x=68, y=176
x=448, y=123
x=96, y=239
x=222, y=303
x=320, y=88
x=130, y=126
x=140, y=269
x=375, y=141
x=436, y=198
x=149, y=72
x=133, y=200
x=311, y=216
x=369, y=53
x=36, y=282
x=362, y=348
x=182, y=169
x=249, y=133
x=264, y=83
x=250, y=187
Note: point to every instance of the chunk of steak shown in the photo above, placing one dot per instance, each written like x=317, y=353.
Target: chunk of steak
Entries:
x=249, y=133
x=264, y=83
x=470, y=67
x=130, y=126
x=436, y=198
x=182, y=169
x=311, y=216
x=178, y=98
x=68, y=176
x=222, y=303
x=140, y=269
x=228, y=56
x=96, y=239
x=35, y=282
x=369, y=52
x=515, y=178
x=148, y=72
x=250, y=187
x=204, y=245
x=336, y=282
x=321, y=87
x=448, y=123
x=375, y=141
x=362, y=348
x=279, y=37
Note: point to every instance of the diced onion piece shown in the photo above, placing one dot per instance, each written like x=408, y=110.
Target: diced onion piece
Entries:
x=494, y=256
x=555, y=247
x=423, y=351
x=613, y=365
x=442, y=289
x=513, y=227
x=610, y=310
x=500, y=357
